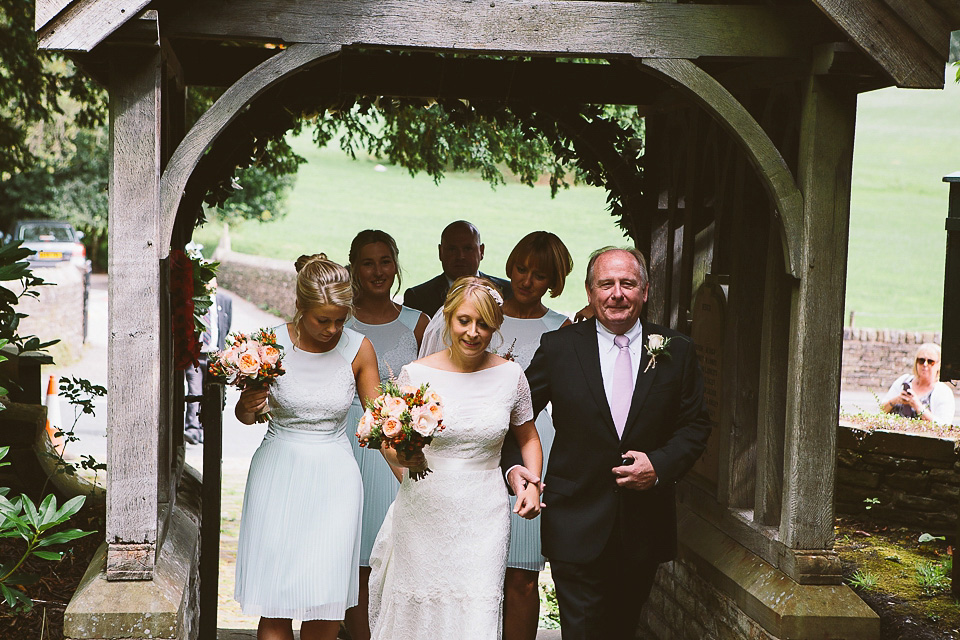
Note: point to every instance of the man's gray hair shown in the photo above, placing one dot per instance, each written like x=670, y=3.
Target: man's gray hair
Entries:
x=641, y=262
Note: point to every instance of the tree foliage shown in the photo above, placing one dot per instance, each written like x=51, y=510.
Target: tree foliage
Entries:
x=36, y=87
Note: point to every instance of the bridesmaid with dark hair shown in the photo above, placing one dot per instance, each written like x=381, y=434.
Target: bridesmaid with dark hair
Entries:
x=395, y=332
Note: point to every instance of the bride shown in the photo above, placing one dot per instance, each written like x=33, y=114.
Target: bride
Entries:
x=438, y=563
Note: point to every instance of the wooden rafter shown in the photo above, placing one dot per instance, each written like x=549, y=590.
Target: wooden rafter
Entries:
x=884, y=35
x=642, y=29
x=85, y=23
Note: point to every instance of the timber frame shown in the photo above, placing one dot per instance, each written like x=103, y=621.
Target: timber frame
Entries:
x=746, y=176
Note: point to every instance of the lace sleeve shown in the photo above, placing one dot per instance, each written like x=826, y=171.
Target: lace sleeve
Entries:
x=404, y=377
x=523, y=405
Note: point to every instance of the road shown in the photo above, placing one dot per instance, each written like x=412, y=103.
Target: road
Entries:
x=239, y=441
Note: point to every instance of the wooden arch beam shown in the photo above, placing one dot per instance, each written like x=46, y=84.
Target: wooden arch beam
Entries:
x=211, y=124
x=771, y=168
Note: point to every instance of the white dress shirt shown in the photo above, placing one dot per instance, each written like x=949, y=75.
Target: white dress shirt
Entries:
x=609, y=352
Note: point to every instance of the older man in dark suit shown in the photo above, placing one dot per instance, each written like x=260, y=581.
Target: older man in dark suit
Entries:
x=460, y=251
x=630, y=420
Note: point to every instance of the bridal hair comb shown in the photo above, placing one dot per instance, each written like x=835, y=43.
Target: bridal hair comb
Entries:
x=477, y=283
x=493, y=294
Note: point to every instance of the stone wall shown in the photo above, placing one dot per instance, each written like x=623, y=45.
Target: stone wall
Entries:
x=58, y=312
x=684, y=606
x=874, y=358
x=915, y=478
x=269, y=283
x=717, y=589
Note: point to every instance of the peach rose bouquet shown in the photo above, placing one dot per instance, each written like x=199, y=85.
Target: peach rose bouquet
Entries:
x=249, y=361
x=404, y=419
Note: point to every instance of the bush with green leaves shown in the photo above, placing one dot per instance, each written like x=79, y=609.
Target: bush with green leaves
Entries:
x=35, y=525
x=80, y=394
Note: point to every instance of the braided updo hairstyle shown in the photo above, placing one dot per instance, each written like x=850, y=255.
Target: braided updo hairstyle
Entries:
x=320, y=282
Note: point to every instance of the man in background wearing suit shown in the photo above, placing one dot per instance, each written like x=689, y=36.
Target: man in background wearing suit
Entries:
x=460, y=254
x=630, y=421
x=217, y=322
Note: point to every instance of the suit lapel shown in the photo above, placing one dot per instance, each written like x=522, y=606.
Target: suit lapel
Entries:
x=588, y=352
x=644, y=382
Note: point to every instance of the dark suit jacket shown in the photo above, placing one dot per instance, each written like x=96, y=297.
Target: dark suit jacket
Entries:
x=224, y=318
x=429, y=296
x=668, y=421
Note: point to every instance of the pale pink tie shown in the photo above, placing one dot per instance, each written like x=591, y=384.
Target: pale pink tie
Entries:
x=622, y=384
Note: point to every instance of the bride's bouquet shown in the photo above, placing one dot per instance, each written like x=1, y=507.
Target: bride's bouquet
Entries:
x=404, y=419
x=252, y=361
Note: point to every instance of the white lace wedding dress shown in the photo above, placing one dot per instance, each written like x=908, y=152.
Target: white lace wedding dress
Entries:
x=439, y=559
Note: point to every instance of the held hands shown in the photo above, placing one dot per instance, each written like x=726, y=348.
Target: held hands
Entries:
x=637, y=476
x=528, y=502
x=527, y=487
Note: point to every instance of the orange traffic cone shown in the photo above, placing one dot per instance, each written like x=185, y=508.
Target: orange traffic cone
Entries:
x=54, y=421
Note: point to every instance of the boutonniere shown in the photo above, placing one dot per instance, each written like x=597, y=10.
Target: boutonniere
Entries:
x=656, y=347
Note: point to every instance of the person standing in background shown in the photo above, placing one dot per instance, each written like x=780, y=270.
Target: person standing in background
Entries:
x=461, y=251
x=216, y=321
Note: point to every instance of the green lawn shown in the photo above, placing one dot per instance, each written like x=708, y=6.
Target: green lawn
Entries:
x=335, y=197
x=907, y=140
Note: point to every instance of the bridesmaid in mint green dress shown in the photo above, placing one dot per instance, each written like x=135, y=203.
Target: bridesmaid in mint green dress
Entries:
x=539, y=263
x=396, y=332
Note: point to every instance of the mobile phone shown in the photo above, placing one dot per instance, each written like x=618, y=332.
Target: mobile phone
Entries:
x=625, y=461
x=906, y=386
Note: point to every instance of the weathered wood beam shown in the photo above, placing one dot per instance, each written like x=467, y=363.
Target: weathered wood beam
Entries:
x=134, y=350
x=541, y=81
x=816, y=315
x=575, y=27
x=928, y=22
x=46, y=10
x=884, y=36
x=774, y=173
x=86, y=23
x=950, y=9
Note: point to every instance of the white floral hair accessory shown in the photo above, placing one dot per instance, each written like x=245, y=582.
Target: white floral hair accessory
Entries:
x=493, y=294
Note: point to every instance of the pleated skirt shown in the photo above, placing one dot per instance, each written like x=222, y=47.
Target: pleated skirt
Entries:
x=380, y=486
x=525, y=550
x=299, y=541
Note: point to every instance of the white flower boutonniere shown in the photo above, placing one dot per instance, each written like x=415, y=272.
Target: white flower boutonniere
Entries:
x=656, y=347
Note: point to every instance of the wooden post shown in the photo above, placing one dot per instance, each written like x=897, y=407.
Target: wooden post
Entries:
x=211, y=417
x=816, y=326
x=134, y=353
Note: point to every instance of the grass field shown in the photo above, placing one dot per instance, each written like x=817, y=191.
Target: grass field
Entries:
x=906, y=141
x=336, y=197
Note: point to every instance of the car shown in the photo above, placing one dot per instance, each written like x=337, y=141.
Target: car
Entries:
x=55, y=243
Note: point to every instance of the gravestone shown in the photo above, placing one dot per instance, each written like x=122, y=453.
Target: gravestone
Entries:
x=709, y=323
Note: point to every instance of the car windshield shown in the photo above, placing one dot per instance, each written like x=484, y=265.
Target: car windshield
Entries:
x=46, y=233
